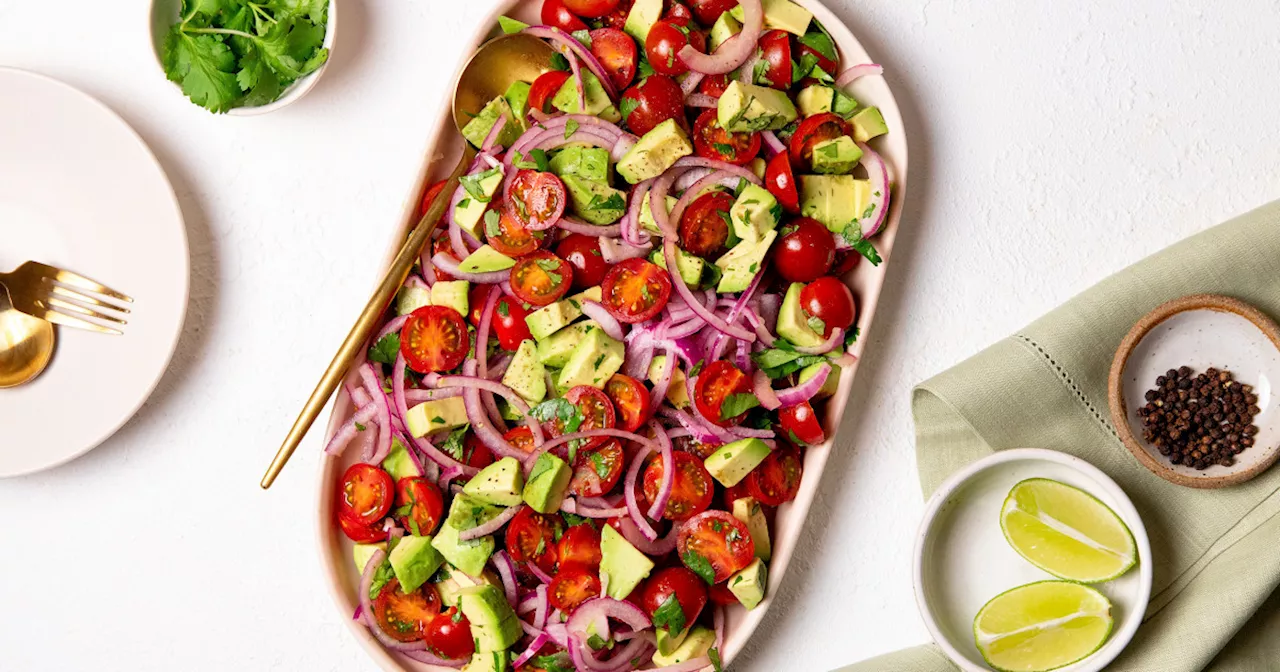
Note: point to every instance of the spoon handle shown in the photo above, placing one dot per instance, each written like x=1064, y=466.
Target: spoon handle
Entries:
x=368, y=320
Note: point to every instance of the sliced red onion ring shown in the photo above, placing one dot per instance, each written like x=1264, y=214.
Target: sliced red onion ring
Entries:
x=448, y=474
x=556, y=631
x=878, y=171
x=343, y=437
x=715, y=177
x=701, y=100
x=489, y=527
x=662, y=382
x=607, y=321
x=580, y=509
x=717, y=622
x=657, y=548
x=366, y=605
x=598, y=610
x=747, y=73
x=538, y=643
x=478, y=417
x=625, y=142
x=619, y=661
x=763, y=388
x=696, y=429
x=615, y=250
x=506, y=570
x=806, y=390
x=734, y=50
x=632, y=232
x=577, y=79
x=772, y=143
x=833, y=341
x=862, y=70
x=703, y=162
x=668, y=468
x=669, y=254
x=432, y=659
x=750, y=433
x=762, y=331
x=450, y=265
x=691, y=82
x=399, y=399
x=575, y=225
x=544, y=605
x=629, y=490
x=537, y=571
x=556, y=35
x=494, y=132
x=371, y=384
x=482, y=361
x=592, y=433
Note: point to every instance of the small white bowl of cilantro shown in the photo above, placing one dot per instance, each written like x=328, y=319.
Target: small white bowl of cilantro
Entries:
x=243, y=57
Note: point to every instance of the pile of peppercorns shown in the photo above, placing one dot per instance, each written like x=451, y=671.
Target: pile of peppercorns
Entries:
x=1199, y=421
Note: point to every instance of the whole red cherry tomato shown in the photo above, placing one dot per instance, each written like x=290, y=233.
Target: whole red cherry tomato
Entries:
x=829, y=300
x=805, y=252
x=654, y=100
x=555, y=13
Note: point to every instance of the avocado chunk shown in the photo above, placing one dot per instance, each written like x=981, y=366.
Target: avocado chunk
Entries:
x=733, y=461
x=517, y=96
x=598, y=103
x=414, y=560
x=555, y=349
x=494, y=624
x=595, y=202
x=724, y=28
x=486, y=260
x=837, y=156
x=593, y=361
x=782, y=15
x=468, y=511
x=451, y=293
x=480, y=189
x=748, y=585
x=815, y=99
x=843, y=105
x=677, y=394
x=834, y=200
x=657, y=151
x=741, y=263
x=499, y=483
x=668, y=641
x=437, y=415
x=793, y=325
x=748, y=510
x=509, y=412
x=589, y=163
x=549, y=319
x=526, y=375
x=450, y=587
x=747, y=108
x=643, y=14
x=755, y=213
x=362, y=552
x=695, y=645
x=487, y=661
x=868, y=124
x=829, y=387
x=468, y=556
x=547, y=484
x=646, y=215
x=478, y=128
x=399, y=463
x=621, y=565
x=409, y=299
x=690, y=267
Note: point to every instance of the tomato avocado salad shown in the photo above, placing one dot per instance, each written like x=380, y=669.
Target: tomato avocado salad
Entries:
x=599, y=384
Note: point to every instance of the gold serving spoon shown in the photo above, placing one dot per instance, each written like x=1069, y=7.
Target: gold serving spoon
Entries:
x=499, y=63
x=26, y=345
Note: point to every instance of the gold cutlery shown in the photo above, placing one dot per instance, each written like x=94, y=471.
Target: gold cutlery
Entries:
x=65, y=298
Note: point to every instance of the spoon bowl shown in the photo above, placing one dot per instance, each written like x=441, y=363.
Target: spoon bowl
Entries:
x=26, y=346
x=498, y=64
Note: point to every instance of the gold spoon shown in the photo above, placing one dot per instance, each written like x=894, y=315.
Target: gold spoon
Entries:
x=499, y=63
x=26, y=345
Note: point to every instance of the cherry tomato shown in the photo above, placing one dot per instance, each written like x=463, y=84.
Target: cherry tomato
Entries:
x=721, y=595
x=476, y=298
x=366, y=494
x=635, y=290
x=631, y=399
x=449, y=634
x=531, y=537
x=597, y=469
x=573, y=586
x=801, y=424
x=580, y=547
x=707, y=11
x=545, y=88
x=475, y=453
x=735, y=493
x=679, y=12
x=846, y=260
x=654, y=100
x=405, y=616
x=775, y=49
x=419, y=505
x=717, y=538
x=714, y=85
x=695, y=447
x=538, y=199
x=521, y=437
x=704, y=225
x=443, y=245
x=596, y=411
x=434, y=339
x=555, y=13
x=666, y=38
x=591, y=9
x=616, y=52
x=429, y=196
x=813, y=130
x=618, y=17
x=777, y=478
x=513, y=238
x=583, y=253
x=829, y=300
x=805, y=252
x=716, y=382
x=541, y=278
x=691, y=490
x=781, y=182
x=713, y=142
x=363, y=534
x=689, y=590
x=509, y=324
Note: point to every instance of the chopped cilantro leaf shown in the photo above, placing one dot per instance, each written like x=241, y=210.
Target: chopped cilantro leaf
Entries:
x=570, y=128
x=559, y=62
x=866, y=249
x=670, y=615
x=700, y=566
x=737, y=404
x=492, y=226
x=386, y=349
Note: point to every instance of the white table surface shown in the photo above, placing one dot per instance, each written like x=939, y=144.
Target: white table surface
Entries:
x=1051, y=145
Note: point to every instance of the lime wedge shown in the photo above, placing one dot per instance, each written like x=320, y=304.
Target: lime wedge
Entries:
x=1067, y=532
x=1042, y=626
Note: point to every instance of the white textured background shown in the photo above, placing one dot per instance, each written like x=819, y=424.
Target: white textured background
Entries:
x=1051, y=145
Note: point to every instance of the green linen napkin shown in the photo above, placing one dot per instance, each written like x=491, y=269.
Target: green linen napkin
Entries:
x=1216, y=553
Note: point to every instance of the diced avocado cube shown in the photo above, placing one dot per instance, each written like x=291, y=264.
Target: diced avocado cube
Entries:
x=748, y=585
x=451, y=293
x=747, y=108
x=695, y=645
x=509, y=412
x=517, y=96
x=499, y=483
x=755, y=213
x=435, y=416
x=487, y=661
x=646, y=215
x=486, y=260
x=549, y=319
x=469, y=212
x=595, y=202
x=362, y=552
x=555, y=349
x=749, y=511
x=468, y=511
x=741, y=263
x=668, y=641
x=414, y=560
x=592, y=362
x=868, y=124
x=399, y=463
x=643, y=14
x=690, y=267
x=782, y=15
x=837, y=156
x=793, y=325
x=657, y=151
x=677, y=393
x=758, y=166
x=588, y=163
x=844, y=106
x=547, y=484
x=621, y=564
x=815, y=99
x=450, y=588
x=526, y=375
x=733, y=461
x=511, y=26
x=409, y=299
x=833, y=200
x=724, y=28
x=598, y=103
x=494, y=624
x=478, y=128
x=469, y=556
x=829, y=387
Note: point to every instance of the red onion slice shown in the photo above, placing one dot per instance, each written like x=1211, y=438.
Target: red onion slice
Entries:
x=632, y=232
x=577, y=80
x=772, y=143
x=556, y=35
x=489, y=527
x=668, y=468
x=764, y=391
x=878, y=171
x=506, y=571
x=607, y=321
x=534, y=647
x=494, y=132
x=544, y=606
x=703, y=162
x=476, y=413
x=374, y=388
x=701, y=100
x=734, y=50
x=432, y=659
x=579, y=509
x=669, y=254
x=833, y=341
x=450, y=265
x=629, y=489
x=575, y=225
x=615, y=250
x=806, y=390
x=366, y=605
x=663, y=381
x=343, y=437
x=657, y=548
x=599, y=609
x=592, y=433
x=691, y=82
x=625, y=142
x=762, y=331
x=862, y=70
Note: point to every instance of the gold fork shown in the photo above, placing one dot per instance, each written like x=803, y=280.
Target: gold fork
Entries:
x=65, y=298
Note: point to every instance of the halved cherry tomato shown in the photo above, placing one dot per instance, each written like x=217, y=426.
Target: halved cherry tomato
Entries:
x=363, y=534
x=635, y=290
x=781, y=182
x=591, y=9
x=531, y=537
x=689, y=591
x=695, y=447
x=845, y=261
x=618, y=17
x=829, y=300
x=583, y=253
x=429, y=196
x=775, y=49
x=476, y=298
x=434, y=339
x=801, y=424
x=707, y=11
x=666, y=38
x=541, y=278
x=704, y=225
x=691, y=490
x=449, y=634
x=616, y=51
x=654, y=100
x=777, y=478
x=716, y=382
x=714, y=85
x=721, y=595
x=631, y=399
x=597, y=469
x=509, y=323
x=405, y=616
x=805, y=251
x=596, y=410
x=813, y=130
x=573, y=586
x=512, y=238
x=419, y=505
x=442, y=245
x=475, y=453
x=678, y=11
x=735, y=493
x=555, y=13
x=366, y=494
x=580, y=547
x=521, y=437
x=713, y=142
x=545, y=88
x=718, y=539
x=538, y=199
